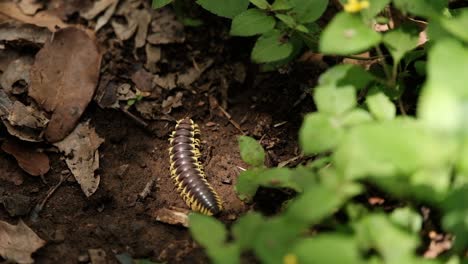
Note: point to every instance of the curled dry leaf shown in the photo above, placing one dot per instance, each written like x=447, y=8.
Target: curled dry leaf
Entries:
x=18, y=242
x=153, y=56
x=30, y=7
x=15, y=31
x=41, y=19
x=82, y=156
x=98, y=7
x=29, y=159
x=172, y=102
x=63, y=79
x=104, y=19
x=143, y=80
x=16, y=76
x=192, y=74
x=125, y=31
x=165, y=28
x=143, y=17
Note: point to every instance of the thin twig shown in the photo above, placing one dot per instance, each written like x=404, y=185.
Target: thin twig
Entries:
x=38, y=208
x=384, y=64
x=228, y=116
x=134, y=117
x=401, y=106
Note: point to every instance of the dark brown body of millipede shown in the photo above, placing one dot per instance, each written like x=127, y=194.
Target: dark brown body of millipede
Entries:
x=187, y=170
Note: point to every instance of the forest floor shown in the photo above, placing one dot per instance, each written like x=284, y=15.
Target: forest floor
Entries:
x=200, y=72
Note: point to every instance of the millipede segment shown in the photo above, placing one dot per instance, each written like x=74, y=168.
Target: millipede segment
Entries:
x=187, y=171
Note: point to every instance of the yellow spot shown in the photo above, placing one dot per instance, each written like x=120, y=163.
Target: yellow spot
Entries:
x=290, y=259
x=354, y=6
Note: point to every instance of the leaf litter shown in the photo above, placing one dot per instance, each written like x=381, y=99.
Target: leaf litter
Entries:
x=18, y=242
x=29, y=158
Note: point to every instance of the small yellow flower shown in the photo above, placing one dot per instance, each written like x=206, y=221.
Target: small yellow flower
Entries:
x=354, y=6
x=290, y=259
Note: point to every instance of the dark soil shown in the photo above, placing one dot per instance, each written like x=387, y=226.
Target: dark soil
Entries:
x=114, y=218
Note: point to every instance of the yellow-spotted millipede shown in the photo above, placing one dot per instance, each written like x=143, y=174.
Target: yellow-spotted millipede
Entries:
x=187, y=170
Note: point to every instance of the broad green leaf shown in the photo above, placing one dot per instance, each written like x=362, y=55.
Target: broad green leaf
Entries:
x=278, y=178
x=319, y=132
x=462, y=162
x=442, y=105
x=225, y=8
x=207, y=231
x=297, y=45
x=375, y=7
x=457, y=25
x=380, y=106
x=287, y=19
x=271, y=47
x=245, y=229
x=347, y=34
x=407, y=218
x=335, y=101
x=225, y=254
x=252, y=22
x=455, y=217
x=424, y=8
x=400, y=146
x=327, y=248
x=355, y=117
x=280, y=5
x=400, y=41
x=308, y=10
x=247, y=184
x=251, y=151
x=160, y=3
x=346, y=74
x=262, y=4
x=394, y=244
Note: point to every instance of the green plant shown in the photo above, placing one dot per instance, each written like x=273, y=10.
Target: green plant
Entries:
x=366, y=140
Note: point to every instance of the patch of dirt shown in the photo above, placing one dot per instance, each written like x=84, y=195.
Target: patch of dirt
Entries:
x=268, y=106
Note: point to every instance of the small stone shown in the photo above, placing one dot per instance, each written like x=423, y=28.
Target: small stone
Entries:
x=226, y=181
x=210, y=124
x=84, y=257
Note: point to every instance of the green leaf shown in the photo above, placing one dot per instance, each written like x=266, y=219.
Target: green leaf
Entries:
x=400, y=146
x=333, y=100
x=262, y=4
x=346, y=74
x=251, y=151
x=400, y=41
x=457, y=25
x=207, y=231
x=280, y=5
x=375, y=8
x=424, y=8
x=245, y=229
x=225, y=254
x=225, y=8
x=252, y=22
x=247, y=185
x=407, y=218
x=319, y=132
x=455, y=218
x=327, y=248
x=394, y=244
x=356, y=117
x=308, y=10
x=442, y=105
x=278, y=178
x=347, y=34
x=160, y=3
x=380, y=106
x=271, y=47
x=287, y=19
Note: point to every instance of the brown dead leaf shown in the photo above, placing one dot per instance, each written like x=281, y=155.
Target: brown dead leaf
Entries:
x=15, y=78
x=148, y=109
x=153, y=55
x=166, y=82
x=30, y=7
x=82, y=156
x=143, y=80
x=64, y=78
x=26, y=122
x=98, y=7
x=15, y=31
x=172, y=102
x=7, y=56
x=171, y=217
x=29, y=159
x=165, y=28
x=144, y=18
x=192, y=74
x=41, y=19
x=17, y=243
x=104, y=19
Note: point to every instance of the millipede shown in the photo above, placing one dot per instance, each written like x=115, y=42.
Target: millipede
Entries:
x=187, y=170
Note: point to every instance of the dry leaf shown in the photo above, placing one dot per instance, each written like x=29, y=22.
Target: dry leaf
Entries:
x=153, y=55
x=171, y=217
x=17, y=71
x=125, y=31
x=29, y=159
x=82, y=156
x=148, y=109
x=144, y=18
x=166, y=82
x=41, y=19
x=104, y=19
x=143, y=80
x=6, y=57
x=64, y=78
x=166, y=29
x=172, y=102
x=17, y=243
x=97, y=256
x=192, y=74
x=98, y=7
x=30, y=7
x=15, y=31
